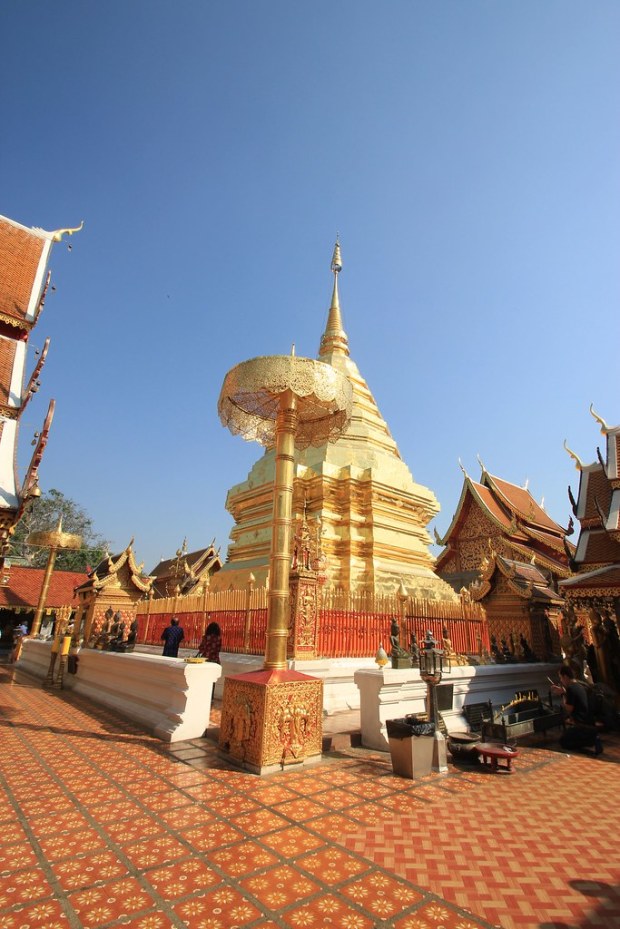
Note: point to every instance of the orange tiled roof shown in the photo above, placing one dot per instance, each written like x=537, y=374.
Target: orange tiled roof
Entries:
x=24, y=588
x=20, y=254
x=608, y=576
x=495, y=510
x=522, y=504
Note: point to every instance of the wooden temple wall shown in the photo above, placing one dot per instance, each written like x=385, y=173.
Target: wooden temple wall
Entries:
x=350, y=626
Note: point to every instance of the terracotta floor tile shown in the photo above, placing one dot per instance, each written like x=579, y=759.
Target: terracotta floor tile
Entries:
x=292, y=841
x=239, y=860
x=381, y=895
x=114, y=812
x=333, y=826
x=58, y=823
x=302, y=809
x=279, y=887
x=47, y=914
x=212, y=835
x=186, y=778
x=182, y=878
x=336, y=798
x=186, y=816
x=327, y=911
x=437, y=915
x=165, y=801
x=24, y=887
x=131, y=830
x=233, y=804
x=12, y=832
x=84, y=872
x=150, y=921
x=333, y=865
x=223, y=907
x=107, y=902
x=373, y=789
x=149, y=853
x=58, y=847
x=259, y=821
x=271, y=794
x=16, y=856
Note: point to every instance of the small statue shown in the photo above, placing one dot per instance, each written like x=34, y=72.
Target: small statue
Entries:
x=528, y=654
x=429, y=641
x=397, y=654
x=496, y=651
x=507, y=654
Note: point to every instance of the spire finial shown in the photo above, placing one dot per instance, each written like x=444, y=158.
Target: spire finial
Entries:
x=335, y=338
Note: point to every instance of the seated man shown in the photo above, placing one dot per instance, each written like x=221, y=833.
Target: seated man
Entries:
x=580, y=730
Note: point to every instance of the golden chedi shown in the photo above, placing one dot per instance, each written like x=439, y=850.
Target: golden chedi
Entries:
x=373, y=514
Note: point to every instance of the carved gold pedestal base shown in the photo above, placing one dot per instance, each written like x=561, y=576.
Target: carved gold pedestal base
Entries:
x=271, y=719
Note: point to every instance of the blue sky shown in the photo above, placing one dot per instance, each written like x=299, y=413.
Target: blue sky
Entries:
x=468, y=155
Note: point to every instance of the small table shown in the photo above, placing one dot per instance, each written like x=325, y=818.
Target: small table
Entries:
x=491, y=753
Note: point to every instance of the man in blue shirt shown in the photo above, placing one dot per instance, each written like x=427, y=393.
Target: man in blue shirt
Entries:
x=172, y=635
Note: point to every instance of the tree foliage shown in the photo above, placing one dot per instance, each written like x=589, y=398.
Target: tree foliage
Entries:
x=44, y=514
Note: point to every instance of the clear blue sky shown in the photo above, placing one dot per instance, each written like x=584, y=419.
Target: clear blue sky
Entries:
x=468, y=155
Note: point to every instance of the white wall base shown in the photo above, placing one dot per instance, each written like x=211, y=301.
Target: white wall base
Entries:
x=167, y=695
x=389, y=694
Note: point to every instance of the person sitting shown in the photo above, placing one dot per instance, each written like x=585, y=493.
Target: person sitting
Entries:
x=211, y=643
x=580, y=731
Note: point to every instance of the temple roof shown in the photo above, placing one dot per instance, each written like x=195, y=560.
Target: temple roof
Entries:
x=23, y=588
x=107, y=571
x=598, y=504
x=21, y=254
x=185, y=570
x=588, y=581
x=525, y=579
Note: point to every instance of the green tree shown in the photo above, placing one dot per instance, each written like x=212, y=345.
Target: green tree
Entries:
x=45, y=513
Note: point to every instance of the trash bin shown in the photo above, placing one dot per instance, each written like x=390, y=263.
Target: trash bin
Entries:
x=411, y=746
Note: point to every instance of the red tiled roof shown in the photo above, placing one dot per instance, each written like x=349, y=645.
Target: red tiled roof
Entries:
x=24, y=588
x=488, y=500
x=521, y=502
x=20, y=254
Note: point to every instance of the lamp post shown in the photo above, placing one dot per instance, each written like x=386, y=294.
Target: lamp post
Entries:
x=273, y=717
x=431, y=672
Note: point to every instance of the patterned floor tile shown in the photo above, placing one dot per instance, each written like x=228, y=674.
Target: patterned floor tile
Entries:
x=332, y=865
x=16, y=856
x=381, y=895
x=224, y=907
x=24, y=887
x=279, y=887
x=260, y=821
x=84, y=872
x=182, y=878
x=439, y=916
x=212, y=835
x=301, y=810
x=59, y=847
x=239, y=860
x=149, y=853
x=115, y=900
x=292, y=841
x=333, y=826
x=47, y=914
x=327, y=911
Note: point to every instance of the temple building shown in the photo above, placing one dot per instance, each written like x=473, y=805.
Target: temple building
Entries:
x=372, y=514
x=187, y=572
x=24, y=281
x=111, y=593
x=510, y=555
x=593, y=592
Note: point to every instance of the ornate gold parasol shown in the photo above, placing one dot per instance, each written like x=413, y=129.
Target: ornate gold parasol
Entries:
x=54, y=539
x=284, y=401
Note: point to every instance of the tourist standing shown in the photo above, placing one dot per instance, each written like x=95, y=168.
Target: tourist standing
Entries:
x=172, y=636
x=211, y=643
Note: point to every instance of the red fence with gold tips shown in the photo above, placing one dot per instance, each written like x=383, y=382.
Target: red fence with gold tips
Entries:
x=349, y=626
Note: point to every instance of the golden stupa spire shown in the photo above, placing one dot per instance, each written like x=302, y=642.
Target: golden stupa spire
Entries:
x=335, y=338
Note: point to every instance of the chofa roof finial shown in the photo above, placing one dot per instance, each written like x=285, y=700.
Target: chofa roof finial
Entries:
x=604, y=427
x=578, y=462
